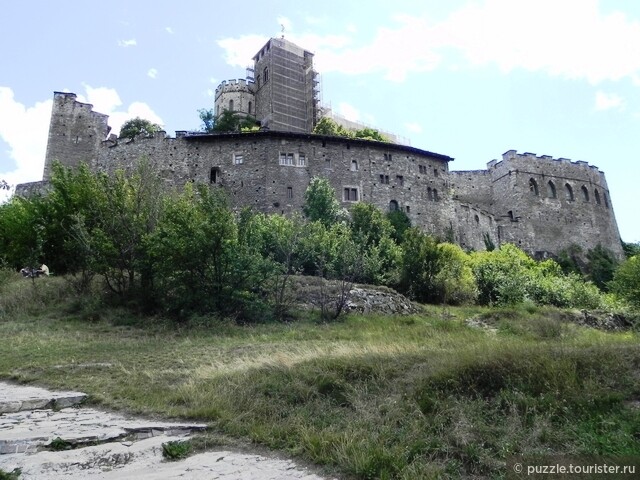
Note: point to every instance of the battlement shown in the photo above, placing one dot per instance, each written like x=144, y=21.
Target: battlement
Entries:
x=513, y=155
x=234, y=85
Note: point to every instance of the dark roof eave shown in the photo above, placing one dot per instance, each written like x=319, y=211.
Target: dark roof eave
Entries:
x=309, y=136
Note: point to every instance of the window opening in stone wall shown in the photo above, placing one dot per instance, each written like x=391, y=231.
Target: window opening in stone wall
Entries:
x=551, y=189
x=393, y=206
x=354, y=166
x=350, y=194
x=386, y=157
x=250, y=105
x=430, y=194
x=258, y=78
x=606, y=201
x=231, y=105
x=568, y=192
x=302, y=160
x=400, y=180
x=289, y=193
x=477, y=219
x=533, y=187
x=214, y=175
x=238, y=158
x=511, y=217
x=408, y=209
x=384, y=179
x=266, y=74
x=422, y=169
x=585, y=193
x=596, y=194
x=435, y=195
x=435, y=172
x=290, y=161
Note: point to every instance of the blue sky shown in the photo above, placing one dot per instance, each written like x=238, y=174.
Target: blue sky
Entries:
x=468, y=79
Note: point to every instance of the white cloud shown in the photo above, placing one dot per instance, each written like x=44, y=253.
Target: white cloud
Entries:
x=607, y=101
x=413, y=127
x=25, y=128
x=127, y=43
x=153, y=73
x=349, y=112
x=240, y=51
x=169, y=30
x=568, y=38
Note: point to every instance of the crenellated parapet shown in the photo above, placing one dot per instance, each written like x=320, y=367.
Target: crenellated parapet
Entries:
x=234, y=86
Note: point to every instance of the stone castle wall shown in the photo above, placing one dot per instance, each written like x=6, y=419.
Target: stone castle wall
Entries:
x=523, y=199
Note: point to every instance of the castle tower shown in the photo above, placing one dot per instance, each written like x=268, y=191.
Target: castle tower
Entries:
x=544, y=205
x=236, y=96
x=75, y=133
x=285, y=87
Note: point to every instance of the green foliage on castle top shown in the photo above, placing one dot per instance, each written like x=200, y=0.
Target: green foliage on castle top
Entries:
x=226, y=122
x=327, y=126
x=138, y=126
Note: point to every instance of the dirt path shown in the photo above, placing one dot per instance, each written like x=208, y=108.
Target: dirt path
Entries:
x=110, y=446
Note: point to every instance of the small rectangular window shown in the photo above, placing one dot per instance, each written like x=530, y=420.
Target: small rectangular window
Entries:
x=386, y=179
x=238, y=159
x=400, y=180
x=289, y=193
x=283, y=159
x=290, y=159
x=435, y=172
x=302, y=160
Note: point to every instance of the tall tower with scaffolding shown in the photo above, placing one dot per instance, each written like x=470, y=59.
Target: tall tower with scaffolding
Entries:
x=281, y=90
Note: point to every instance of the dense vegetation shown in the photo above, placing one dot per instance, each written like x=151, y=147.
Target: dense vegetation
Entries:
x=187, y=252
x=327, y=126
x=159, y=300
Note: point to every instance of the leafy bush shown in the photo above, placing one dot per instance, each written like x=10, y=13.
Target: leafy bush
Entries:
x=626, y=281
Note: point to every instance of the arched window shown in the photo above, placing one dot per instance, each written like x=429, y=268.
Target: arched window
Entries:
x=551, y=190
x=596, y=194
x=265, y=74
x=533, y=187
x=250, y=112
x=568, y=192
x=231, y=105
x=585, y=193
x=606, y=202
x=393, y=206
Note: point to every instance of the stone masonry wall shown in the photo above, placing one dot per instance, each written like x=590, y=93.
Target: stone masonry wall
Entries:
x=523, y=199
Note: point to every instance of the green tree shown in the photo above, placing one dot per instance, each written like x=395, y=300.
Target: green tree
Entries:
x=320, y=203
x=327, y=126
x=601, y=266
x=370, y=134
x=138, y=126
x=226, y=122
x=631, y=249
x=372, y=233
x=400, y=222
x=626, y=281
x=208, y=119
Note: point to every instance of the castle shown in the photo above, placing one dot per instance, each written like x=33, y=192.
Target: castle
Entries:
x=541, y=204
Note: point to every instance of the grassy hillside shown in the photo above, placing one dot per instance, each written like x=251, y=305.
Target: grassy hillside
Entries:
x=368, y=397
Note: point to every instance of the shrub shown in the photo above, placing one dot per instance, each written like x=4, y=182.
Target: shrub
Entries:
x=626, y=281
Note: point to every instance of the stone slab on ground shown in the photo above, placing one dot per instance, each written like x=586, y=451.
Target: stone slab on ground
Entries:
x=28, y=431
x=143, y=460
x=113, y=446
x=15, y=398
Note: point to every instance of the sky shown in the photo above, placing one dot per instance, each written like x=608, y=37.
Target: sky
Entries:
x=469, y=79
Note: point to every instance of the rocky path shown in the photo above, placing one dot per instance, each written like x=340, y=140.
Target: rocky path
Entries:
x=110, y=446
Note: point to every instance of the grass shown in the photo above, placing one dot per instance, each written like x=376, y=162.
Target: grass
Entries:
x=369, y=397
